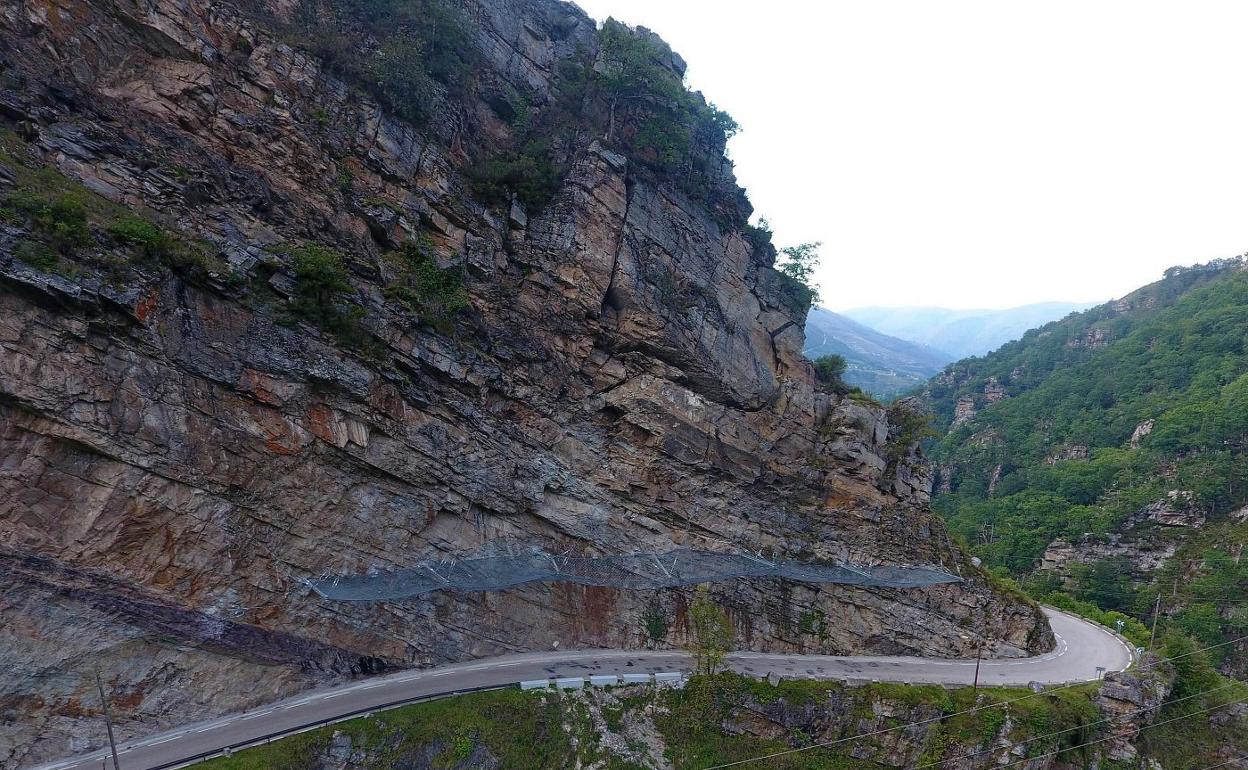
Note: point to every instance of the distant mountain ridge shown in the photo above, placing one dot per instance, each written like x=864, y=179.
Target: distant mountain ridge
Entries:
x=880, y=364
x=962, y=333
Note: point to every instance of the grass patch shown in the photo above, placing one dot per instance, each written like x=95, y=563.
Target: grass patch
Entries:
x=66, y=222
x=525, y=731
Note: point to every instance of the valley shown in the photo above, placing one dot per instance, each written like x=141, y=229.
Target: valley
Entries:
x=363, y=351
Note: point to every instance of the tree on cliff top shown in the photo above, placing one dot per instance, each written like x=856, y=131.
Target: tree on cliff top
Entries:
x=638, y=77
x=712, y=632
x=799, y=264
x=830, y=372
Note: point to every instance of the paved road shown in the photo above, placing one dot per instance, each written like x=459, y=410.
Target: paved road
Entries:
x=1083, y=649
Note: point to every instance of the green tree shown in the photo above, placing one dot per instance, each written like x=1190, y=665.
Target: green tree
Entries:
x=632, y=70
x=712, y=632
x=830, y=372
x=799, y=265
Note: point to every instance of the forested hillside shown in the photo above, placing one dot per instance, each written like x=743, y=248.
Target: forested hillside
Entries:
x=1104, y=454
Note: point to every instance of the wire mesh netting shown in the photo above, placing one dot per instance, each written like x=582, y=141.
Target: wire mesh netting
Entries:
x=637, y=571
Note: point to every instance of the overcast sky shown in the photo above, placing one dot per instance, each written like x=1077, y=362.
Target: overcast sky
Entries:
x=979, y=154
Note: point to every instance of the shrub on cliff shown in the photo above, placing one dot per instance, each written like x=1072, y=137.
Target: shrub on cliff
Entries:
x=403, y=51
x=830, y=371
x=422, y=287
x=908, y=424
x=324, y=297
x=759, y=235
x=58, y=220
x=799, y=267
x=529, y=174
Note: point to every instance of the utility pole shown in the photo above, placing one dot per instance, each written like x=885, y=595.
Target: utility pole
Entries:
x=1156, y=613
x=979, y=655
x=108, y=721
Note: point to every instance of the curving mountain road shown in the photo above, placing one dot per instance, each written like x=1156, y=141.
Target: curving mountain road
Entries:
x=1084, y=652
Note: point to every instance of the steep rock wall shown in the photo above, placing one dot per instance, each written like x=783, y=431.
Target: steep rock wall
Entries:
x=176, y=458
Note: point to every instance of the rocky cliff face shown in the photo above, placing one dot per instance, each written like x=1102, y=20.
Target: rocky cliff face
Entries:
x=179, y=451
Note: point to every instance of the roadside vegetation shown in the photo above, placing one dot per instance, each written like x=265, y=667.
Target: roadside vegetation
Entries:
x=695, y=726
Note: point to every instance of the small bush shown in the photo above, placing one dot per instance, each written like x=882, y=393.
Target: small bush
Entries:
x=345, y=181
x=759, y=236
x=529, y=174
x=830, y=372
x=151, y=241
x=324, y=295
x=37, y=255
x=60, y=220
x=656, y=624
x=424, y=288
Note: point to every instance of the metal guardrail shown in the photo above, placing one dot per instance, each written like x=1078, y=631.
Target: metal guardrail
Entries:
x=661, y=678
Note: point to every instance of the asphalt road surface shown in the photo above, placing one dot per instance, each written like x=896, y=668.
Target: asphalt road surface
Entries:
x=1084, y=652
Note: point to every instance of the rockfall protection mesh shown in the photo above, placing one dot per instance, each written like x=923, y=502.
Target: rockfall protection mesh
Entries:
x=638, y=571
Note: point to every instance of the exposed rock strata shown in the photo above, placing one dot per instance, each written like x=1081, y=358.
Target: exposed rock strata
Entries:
x=174, y=461
x=1145, y=555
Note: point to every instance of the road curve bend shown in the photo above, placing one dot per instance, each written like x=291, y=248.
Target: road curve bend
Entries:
x=1084, y=652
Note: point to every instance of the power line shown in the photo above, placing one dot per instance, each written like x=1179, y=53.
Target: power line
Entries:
x=1142, y=729
x=1223, y=596
x=1118, y=717
x=999, y=767
x=973, y=710
x=1227, y=762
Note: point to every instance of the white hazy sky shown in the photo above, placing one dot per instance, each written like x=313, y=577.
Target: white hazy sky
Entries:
x=979, y=153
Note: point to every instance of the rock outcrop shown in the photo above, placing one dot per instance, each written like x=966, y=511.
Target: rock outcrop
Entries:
x=1145, y=555
x=1129, y=701
x=1177, y=509
x=179, y=452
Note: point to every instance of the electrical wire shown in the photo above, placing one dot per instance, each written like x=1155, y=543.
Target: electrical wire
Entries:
x=964, y=712
x=1227, y=762
x=778, y=754
x=1106, y=720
